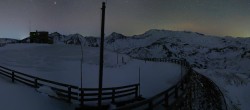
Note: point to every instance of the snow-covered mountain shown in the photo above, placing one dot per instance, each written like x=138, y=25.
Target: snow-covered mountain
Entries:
x=86, y=41
x=74, y=39
x=57, y=37
x=200, y=50
x=113, y=37
x=8, y=40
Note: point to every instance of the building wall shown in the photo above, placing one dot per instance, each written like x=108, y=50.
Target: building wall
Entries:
x=39, y=37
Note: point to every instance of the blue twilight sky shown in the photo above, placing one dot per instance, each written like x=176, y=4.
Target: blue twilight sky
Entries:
x=129, y=17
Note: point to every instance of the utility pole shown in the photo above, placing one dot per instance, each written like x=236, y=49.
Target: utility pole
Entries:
x=117, y=57
x=101, y=57
x=81, y=72
x=139, y=81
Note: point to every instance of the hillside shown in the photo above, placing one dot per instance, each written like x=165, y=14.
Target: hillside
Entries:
x=4, y=41
x=224, y=59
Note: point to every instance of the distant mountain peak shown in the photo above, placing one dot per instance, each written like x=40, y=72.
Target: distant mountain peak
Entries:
x=55, y=33
x=8, y=40
x=114, y=36
x=76, y=34
x=154, y=30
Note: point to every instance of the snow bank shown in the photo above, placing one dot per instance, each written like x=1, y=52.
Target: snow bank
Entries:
x=46, y=90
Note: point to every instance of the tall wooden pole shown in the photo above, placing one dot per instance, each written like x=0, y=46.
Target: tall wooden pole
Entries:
x=139, y=81
x=81, y=72
x=101, y=57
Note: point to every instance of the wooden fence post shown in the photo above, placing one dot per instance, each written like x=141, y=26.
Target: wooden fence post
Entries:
x=150, y=105
x=190, y=98
x=176, y=92
x=13, y=76
x=36, y=84
x=182, y=84
x=82, y=97
x=113, y=95
x=166, y=100
x=69, y=93
x=136, y=91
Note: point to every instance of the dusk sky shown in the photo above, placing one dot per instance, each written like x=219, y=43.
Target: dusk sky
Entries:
x=129, y=17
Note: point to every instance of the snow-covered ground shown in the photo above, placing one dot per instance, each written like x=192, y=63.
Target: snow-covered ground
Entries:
x=223, y=59
x=235, y=86
x=61, y=63
x=21, y=97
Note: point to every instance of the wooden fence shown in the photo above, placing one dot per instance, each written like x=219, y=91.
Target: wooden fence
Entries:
x=2, y=44
x=169, y=98
x=193, y=91
x=70, y=92
x=91, y=94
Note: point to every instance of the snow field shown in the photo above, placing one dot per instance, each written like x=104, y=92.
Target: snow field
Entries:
x=61, y=63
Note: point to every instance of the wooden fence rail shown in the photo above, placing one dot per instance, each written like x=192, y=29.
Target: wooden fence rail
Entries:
x=190, y=90
x=179, y=96
x=169, y=98
x=91, y=94
x=69, y=92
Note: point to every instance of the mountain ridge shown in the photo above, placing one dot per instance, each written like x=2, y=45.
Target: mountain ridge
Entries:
x=145, y=34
